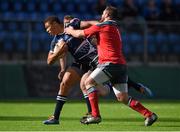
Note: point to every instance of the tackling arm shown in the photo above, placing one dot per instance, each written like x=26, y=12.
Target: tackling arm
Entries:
x=86, y=24
x=75, y=33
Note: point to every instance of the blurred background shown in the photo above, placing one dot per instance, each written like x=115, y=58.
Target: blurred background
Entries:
x=150, y=32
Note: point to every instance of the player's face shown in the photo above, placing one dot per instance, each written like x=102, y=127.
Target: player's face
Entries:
x=66, y=22
x=51, y=28
x=104, y=15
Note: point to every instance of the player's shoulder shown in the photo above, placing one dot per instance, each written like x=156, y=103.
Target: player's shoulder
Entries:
x=75, y=23
x=108, y=23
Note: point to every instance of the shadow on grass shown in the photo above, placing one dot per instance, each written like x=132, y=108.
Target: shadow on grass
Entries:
x=41, y=118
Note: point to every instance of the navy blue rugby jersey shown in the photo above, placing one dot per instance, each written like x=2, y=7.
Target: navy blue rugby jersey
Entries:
x=82, y=50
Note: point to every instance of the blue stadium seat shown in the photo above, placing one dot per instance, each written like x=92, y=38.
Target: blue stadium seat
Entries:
x=175, y=42
x=39, y=27
x=126, y=46
x=8, y=45
x=151, y=44
x=1, y=26
x=162, y=43
x=70, y=7
x=176, y=2
x=4, y=6
x=57, y=7
x=83, y=8
x=31, y=7
x=136, y=42
x=35, y=46
x=43, y=7
x=21, y=46
x=18, y=6
x=8, y=15
x=12, y=26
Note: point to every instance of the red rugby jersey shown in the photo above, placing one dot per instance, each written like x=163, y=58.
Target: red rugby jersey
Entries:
x=109, y=43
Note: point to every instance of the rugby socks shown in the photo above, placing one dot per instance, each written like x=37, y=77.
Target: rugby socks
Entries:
x=93, y=98
x=137, y=106
x=59, y=104
x=87, y=103
x=134, y=85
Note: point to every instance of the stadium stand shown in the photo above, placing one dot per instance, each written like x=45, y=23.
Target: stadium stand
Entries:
x=21, y=19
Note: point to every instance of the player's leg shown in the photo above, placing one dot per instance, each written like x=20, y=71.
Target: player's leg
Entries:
x=139, y=87
x=102, y=91
x=84, y=91
x=121, y=93
x=70, y=78
x=96, y=77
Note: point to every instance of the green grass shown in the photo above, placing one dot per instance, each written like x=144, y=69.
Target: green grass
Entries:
x=28, y=116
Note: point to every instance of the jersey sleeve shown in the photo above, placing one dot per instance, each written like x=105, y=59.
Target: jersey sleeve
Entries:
x=52, y=45
x=75, y=23
x=93, y=30
x=67, y=38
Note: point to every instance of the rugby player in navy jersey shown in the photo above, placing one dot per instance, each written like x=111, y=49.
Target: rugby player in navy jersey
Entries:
x=82, y=51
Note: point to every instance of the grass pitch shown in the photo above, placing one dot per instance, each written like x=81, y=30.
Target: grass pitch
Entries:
x=28, y=116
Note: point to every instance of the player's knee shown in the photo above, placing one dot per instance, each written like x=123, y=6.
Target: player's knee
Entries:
x=122, y=97
x=89, y=83
x=65, y=85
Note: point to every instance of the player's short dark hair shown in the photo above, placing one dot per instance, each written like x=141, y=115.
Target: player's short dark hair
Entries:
x=68, y=17
x=52, y=19
x=113, y=12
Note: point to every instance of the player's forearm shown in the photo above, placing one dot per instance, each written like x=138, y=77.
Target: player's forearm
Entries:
x=60, y=49
x=86, y=24
x=75, y=33
x=51, y=58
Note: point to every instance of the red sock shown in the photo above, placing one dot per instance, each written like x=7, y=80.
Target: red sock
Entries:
x=137, y=106
x=93, y=98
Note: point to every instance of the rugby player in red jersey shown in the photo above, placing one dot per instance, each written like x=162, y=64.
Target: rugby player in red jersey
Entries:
x=112, y=66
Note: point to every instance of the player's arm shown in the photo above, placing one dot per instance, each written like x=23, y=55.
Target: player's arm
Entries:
x=86, y=24
x=75, y=33
x=62, y=62
x=60, y=49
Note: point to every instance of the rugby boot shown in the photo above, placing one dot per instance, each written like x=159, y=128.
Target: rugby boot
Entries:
x=91, y=120
x=150, y=120
x=51, y=121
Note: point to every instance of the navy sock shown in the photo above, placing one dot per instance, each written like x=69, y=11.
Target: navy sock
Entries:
x=133, y=84
x=87, y=103
x=59, y=104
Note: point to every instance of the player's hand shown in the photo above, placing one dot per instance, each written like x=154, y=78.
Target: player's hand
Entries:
x=61, y=74
x=68, y=30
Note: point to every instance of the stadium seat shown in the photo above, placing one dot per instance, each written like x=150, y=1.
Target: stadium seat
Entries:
x=136, y=42
x=56, y=7
x=126, y=46
x=12, y=26
x=21, y=46
x=175, y=42
x=17, y=6
x=162, y=43
x=8, y=45
x=31, y=7
x=4, y=5
x=38, y=27
x=35, y=46
x=43, y=7
x=8, y=15
x=151, y=44
x=70, y=7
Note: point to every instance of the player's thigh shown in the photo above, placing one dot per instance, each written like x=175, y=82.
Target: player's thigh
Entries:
x=98, y=76
x=71, y=77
